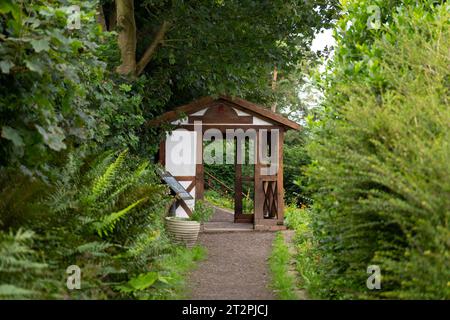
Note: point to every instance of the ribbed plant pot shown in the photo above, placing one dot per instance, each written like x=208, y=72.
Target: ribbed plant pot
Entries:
x=182, y=230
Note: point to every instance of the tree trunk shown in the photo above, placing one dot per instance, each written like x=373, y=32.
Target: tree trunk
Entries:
x=274, y=87
x=101, y=18
x=127, y=37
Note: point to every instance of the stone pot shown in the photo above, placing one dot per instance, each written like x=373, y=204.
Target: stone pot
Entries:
x=183, y=230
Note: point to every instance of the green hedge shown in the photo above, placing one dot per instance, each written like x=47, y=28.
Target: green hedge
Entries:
x=380, y=171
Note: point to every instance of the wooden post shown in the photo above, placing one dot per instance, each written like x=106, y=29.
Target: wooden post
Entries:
x=280, y=189
x=162, y=152
x=199, y=170
x=237, y=188
x=259, y=192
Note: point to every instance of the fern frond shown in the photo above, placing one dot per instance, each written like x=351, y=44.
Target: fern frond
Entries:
x=104, y=182
x=99, y=165
x=61, y=199
x=142, y=242
x=15, y=252
x=94, y=248
x=132, y=179
x=12, y=291
x=108, y=222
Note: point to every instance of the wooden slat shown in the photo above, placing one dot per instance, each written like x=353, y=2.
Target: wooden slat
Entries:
x=269, y=178
x=184, y=178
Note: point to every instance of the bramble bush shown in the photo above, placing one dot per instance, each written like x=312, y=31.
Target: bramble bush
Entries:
x=380, y=173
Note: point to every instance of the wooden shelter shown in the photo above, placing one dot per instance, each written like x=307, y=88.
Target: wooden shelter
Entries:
x=223, y=115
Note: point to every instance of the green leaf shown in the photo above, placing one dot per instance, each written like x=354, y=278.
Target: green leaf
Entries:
x=6, y=65
x=13, y=135
x=143, y=281
x=40, y=45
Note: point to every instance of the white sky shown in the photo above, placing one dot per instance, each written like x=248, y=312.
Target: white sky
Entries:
x=310, y=95
x=323, y=39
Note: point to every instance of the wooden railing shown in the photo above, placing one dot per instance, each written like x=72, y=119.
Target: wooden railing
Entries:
x=222, y=184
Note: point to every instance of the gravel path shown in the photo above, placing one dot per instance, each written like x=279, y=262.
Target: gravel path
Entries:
x=236, y=267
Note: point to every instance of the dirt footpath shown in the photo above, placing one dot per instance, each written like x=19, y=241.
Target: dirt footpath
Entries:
x=236, y=267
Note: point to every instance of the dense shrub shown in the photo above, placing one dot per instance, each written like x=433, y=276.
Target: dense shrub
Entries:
x=380, y=170
x=57, y=91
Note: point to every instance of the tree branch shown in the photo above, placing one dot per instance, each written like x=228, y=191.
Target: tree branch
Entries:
x=148, y=54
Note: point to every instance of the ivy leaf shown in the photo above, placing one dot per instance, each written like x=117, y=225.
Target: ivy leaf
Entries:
x=13, y=135
x=35, y=65
x=6, y=65
x=40, y=45
x=8, y=6
x=53, y=137
x=171, y=58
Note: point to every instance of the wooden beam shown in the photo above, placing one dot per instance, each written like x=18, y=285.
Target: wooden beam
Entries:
x=237, y=189
x=280, y=187
x=191, y=186
x=262, y=111
x=240, y=104
x=179, y=111
x=221, y=113
x=199, y=169
x=162, y=152
x=224, y=127
x=258, y=186
x=185, y=207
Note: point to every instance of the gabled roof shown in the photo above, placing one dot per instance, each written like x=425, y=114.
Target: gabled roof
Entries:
x=238, y=103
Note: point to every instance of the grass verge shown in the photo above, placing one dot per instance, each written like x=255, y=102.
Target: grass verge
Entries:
x=176, y=268
x=307, y=257
x=283, y=283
